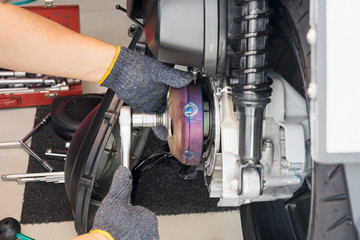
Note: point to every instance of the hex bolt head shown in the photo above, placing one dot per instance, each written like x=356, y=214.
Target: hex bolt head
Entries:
x=311, y=36
x=312, y=90
x=267, y=144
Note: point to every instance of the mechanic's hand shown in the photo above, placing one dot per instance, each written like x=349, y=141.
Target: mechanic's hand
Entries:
x=118, y=217
x=142, y=82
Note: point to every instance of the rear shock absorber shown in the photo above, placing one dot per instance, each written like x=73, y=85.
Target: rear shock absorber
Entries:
x=248, y=37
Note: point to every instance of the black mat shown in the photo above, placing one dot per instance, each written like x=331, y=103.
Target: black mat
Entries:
x=163, y=192
x=45, y=202
x=160, y=189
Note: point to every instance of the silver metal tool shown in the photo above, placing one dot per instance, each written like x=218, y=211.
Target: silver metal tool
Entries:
x=22, y=144
x=41, y=179
x=33, y=90
x=28, y=81
x=125, y=134
x=12, y=74
x=53, y=177
x=59, y=154
x=30, y=175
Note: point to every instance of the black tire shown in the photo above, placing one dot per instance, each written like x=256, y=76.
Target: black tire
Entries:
x=325, y=212
x=331, y=212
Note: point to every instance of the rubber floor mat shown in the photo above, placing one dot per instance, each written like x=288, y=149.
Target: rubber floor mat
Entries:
x=45, y=202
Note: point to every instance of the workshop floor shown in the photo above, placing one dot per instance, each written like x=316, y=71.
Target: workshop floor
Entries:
x=15, y=123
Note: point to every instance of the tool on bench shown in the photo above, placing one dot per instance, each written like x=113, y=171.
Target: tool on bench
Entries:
x=10, y=229
x=22, y=144
x=11, y=78
x=12, y=74
x=27, y=81
x=12, y=82
x=33, y=90
x=36, y=82
x=56, y=154
x=53, y=177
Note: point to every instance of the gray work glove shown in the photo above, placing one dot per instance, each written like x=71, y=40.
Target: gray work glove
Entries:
x=143, y=82
x=118, y=217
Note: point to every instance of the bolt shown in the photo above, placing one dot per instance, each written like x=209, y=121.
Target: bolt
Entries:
x=311, y=36
x=132, y=30
x=251, y=163
x=190, y=110
x=195, y=72
x=267, y=144
x=312, y=90
x=234, y=81
x=188, y=155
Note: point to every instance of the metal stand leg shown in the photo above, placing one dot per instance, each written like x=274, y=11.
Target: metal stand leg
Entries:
x=23, y=145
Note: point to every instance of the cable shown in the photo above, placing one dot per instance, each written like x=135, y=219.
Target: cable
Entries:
x=23, y=2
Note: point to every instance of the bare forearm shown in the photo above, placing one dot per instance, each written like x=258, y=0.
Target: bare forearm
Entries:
x=31, y=43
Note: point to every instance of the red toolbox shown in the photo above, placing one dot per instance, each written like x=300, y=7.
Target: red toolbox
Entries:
x=15, y=96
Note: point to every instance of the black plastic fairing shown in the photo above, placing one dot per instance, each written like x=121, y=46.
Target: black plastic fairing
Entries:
x=134, y=9
x=84, y=157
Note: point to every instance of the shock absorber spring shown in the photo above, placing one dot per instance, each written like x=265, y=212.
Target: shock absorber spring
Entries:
x=248, y=66
x=249, y=43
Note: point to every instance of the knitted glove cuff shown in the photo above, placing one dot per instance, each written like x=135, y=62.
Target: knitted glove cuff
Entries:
x=134, y=78
x=108, y=71
x=102, y=232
